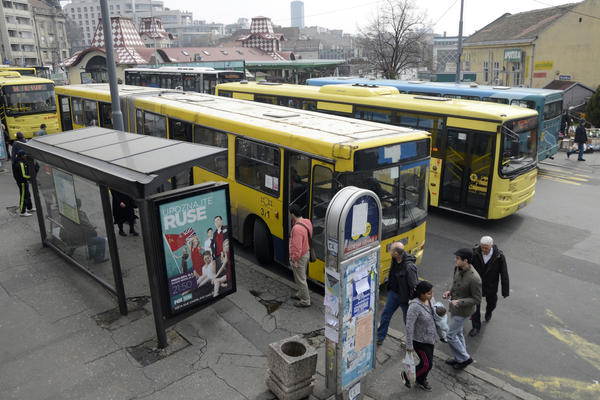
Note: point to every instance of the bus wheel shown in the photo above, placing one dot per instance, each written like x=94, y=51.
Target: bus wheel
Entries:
x=263, y=247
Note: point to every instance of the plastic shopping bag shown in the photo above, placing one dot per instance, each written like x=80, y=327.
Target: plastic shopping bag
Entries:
x=409, y=366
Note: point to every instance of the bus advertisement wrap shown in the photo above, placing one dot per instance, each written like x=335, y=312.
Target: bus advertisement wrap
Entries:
x=197, y=253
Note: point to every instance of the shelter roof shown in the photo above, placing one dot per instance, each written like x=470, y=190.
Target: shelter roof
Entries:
x=565, y=85
x=231, y=53
x=525, y=26
x=130, y=163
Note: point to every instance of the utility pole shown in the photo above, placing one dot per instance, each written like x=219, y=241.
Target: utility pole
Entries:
x=117, y=116
x=460, y=24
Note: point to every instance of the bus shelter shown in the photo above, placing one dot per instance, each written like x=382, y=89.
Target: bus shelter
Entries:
x=75, y=173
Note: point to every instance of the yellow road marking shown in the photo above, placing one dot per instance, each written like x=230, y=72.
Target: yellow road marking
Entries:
x=565, y=176
x=562, y=388
x=551, y=178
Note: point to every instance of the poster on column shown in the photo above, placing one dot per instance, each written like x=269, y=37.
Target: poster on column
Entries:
x=198, y=253
x=359, y=291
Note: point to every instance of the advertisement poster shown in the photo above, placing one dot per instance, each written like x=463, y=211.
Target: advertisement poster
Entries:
x=362, y=225
x=3, y=155
x=359, y=290
x=65, y=194
x=196, y=242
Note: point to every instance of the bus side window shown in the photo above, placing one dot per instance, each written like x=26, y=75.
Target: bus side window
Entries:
x=211, y=137
x=155, y=125
x=78, y=116
x=91, y=112
x=225, y=93
x=309, y=105
x=258, y=166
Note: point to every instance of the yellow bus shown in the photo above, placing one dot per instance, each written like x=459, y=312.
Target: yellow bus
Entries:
x=26, y=103
x=483, y=155
x=278, y=157
x=24, y=71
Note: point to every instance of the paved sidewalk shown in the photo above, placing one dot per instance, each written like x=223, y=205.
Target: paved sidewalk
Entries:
x=62, y=338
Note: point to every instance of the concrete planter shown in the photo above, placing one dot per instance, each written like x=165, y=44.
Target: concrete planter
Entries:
x=292, y=364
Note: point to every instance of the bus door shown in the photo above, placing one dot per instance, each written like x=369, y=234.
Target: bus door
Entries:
x=467, y=171
x=66, y=121
x=297, y=189
x=181, y=130
x=322, y=191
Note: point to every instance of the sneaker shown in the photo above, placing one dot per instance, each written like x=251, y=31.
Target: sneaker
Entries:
x=424, y=385
x=122, y=233
x=301, y=305
x=26, y=214
x=31, y=209
x=462, y=365
x=134, y=233
x=295, y=297
x=405, y=379
x=379, y=342
x=488, y=317
x=580, y=159
x=451, y=361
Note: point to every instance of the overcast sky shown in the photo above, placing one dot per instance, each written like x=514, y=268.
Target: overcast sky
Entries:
x=348, y=14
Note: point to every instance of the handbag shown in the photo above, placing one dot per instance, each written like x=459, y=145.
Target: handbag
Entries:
x=311, y=251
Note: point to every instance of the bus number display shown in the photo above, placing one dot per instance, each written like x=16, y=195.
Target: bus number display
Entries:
x=25, y=88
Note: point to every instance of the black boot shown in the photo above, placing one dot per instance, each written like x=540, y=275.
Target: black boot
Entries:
x=121, y=231
x=132, y=231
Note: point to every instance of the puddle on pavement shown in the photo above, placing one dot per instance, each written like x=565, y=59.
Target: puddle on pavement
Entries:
x=270, y=304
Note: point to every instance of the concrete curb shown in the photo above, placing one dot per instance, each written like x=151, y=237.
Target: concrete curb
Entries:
x=476, y=372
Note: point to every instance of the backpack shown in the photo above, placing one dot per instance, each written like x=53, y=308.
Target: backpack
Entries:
x=311, y=252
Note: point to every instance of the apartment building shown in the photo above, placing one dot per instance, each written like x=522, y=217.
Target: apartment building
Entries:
x=17, y=34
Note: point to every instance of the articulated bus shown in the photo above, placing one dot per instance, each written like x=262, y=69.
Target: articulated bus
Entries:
x=548, y=103
x=24, y=71
x=278, y=157
x=483, y=155
x=26, y=102
x=192, y=79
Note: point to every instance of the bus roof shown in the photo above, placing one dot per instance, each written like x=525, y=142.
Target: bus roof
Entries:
x=9, y=80
x=464, y=88
x=187, y=70
x=273, y=124
x=387, y=98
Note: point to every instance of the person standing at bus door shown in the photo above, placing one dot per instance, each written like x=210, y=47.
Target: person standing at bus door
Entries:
x=21, y=175
x=401, y=287
x=299, y=254
x=565, y=123
x=490, y=264
x=464, y=296
x=581, y=139
x=123, y=206
x=42, y=131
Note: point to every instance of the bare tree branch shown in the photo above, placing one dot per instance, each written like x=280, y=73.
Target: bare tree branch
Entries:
x=394, y=39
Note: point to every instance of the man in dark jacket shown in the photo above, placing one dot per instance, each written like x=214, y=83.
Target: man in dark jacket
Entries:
x=22, y=176
x=580, y=139
x=490, y=264
x=401, y=286
x=122, y=208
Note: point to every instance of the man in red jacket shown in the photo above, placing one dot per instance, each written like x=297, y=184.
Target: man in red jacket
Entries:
x=300, y=253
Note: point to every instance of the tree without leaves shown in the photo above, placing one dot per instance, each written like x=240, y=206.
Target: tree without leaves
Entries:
x=394, y=39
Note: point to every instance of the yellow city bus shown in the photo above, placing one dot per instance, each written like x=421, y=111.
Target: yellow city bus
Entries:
x=26, y=103
x=483, y=155
x=278, y=157
x=24, y=71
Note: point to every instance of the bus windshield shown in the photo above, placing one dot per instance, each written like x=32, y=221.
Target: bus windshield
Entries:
x=519, y=144
x=402, y=190
x=29, y=99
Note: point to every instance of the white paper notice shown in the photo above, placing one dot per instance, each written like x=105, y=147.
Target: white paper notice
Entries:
x=392, y=152
x=362, y=285
x=331, y=320
x=269, y=181
x=394, y=173
x=360, y=213
x=275, y=183
x=331, y=303
x=331, y=334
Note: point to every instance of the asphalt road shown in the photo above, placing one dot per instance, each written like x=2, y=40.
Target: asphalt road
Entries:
x=545, y=337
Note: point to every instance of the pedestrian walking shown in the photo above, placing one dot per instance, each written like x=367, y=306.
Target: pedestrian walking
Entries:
x=464, y=296
x=122, y=208
x=401, y=286
x=490, y=263
x=299, y=248
x=581, y=139
x=21, y=175
x=421, y=333
x=41, y=131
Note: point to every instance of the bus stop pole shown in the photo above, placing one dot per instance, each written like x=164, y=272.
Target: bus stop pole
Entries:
x=152, y=256
x=113, y=250
x=117, y=116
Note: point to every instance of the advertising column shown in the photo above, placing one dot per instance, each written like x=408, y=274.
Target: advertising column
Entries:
x=353, y=231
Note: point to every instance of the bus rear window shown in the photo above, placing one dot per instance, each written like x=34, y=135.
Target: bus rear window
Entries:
x=523, y=103
x=552, y=110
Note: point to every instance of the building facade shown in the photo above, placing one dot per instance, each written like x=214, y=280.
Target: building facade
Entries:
x=17, y=34
x=297, y=13
x=51, y=28
x=536, y=47
x=86, y=14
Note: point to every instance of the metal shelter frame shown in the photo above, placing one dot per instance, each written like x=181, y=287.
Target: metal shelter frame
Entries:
x=136, y=165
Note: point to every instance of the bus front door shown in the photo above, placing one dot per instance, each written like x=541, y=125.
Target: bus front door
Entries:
x=467, y=172
x=65, y=113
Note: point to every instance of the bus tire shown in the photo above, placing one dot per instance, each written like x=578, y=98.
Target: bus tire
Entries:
x=263, y=244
